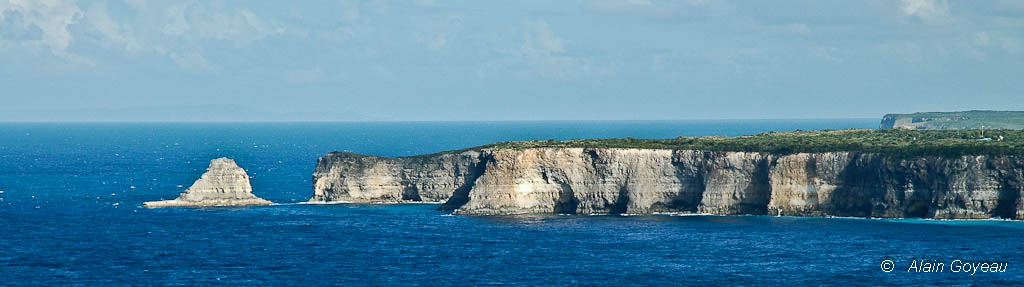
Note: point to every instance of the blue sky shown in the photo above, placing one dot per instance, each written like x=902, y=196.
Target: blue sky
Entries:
x=138, y=60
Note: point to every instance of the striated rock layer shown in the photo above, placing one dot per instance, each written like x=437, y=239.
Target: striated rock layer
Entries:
x=223, y=184
x=361, y=178
x=614, y=180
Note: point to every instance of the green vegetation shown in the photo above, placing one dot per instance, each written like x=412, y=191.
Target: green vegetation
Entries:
x=955, y=120
x=901, y=143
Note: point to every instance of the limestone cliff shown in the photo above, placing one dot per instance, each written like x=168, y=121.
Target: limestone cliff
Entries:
x=223, y=184
x=619, y=180
x=362, y=178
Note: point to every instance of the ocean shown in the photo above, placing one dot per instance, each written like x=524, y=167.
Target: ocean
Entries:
x=71, y=215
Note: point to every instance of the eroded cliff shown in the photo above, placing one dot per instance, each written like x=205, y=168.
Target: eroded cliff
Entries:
x=349, y=177
x=623, y=180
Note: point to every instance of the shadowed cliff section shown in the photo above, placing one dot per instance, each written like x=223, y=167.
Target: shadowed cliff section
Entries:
x=461, y=194
x=1011, y=196
x=690, y=171
x=351, y=177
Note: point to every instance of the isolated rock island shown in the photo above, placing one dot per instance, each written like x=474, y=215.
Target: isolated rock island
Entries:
x=856, y=173
x=223, y=184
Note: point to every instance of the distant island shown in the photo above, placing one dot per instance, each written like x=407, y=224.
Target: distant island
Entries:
x=896, y=173
x=955, y=120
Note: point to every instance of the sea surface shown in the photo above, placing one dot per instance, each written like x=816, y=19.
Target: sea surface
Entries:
x=71, y=215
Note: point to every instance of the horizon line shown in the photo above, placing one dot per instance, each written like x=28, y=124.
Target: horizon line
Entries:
x=420, y=121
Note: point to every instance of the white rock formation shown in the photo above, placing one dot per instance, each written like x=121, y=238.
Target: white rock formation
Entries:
x=223, y=184
x=618, y=180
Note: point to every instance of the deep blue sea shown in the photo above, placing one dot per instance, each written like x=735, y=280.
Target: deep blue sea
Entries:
x=70, y=215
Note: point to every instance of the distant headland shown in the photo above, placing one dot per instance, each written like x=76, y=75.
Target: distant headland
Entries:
x=955, y=120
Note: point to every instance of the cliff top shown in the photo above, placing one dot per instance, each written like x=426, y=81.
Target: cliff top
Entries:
x=955, y=120
x=897, y=142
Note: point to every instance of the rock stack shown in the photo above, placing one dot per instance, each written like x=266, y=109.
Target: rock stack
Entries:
x=223, y=184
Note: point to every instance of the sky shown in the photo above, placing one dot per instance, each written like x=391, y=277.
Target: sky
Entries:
x=140, y=60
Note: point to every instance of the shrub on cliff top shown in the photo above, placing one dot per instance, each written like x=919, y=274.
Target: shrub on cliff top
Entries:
x=904, y=143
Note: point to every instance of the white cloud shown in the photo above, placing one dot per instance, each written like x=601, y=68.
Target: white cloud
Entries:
x=690, y=9
x=929, y=11
x=191, y=24
x=241, y=26
x=791, y=29
x=52, y=17
x=982, y=39
x=349, y=11
x=438, y=32
x=829, y=54
x=1012, y=46
x=116, y=33
x=304, y=76
x=984, y=42
x=619, y=5
x=336, y=35
x=191, y=60
x=546, y=53
x=435, y=42
x=176, y=23
x=137, y=4
x=541, y=41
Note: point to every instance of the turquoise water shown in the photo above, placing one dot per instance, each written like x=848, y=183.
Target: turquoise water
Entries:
x=71, y=215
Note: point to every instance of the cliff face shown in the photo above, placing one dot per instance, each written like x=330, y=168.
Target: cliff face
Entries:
x=361, y=178
x=889, y=122
x=223, y=184
x=611, y=180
